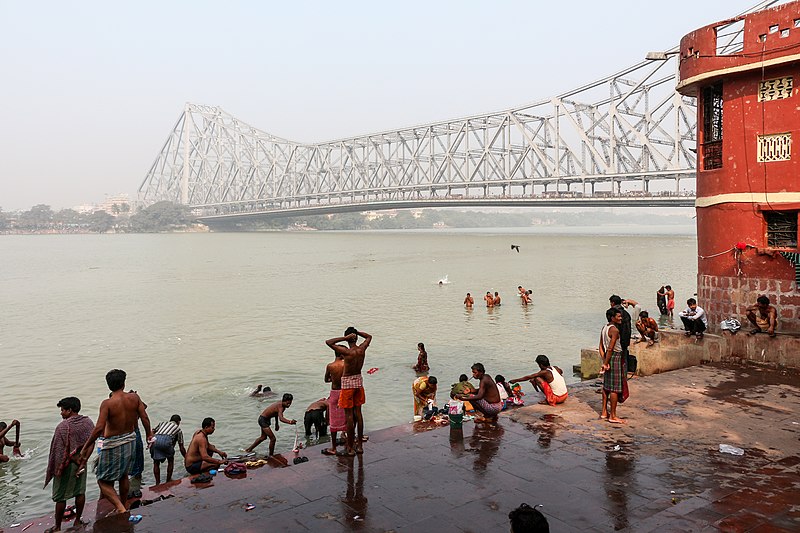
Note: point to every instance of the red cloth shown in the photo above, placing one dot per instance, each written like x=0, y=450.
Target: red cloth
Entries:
x=551, y=398
x=350, y=398
x=338, y=421
x=70, y=436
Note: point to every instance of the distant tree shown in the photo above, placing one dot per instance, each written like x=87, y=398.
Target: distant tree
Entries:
x=115, y=209
x=3, y=220
x=38, y=218
x=125, y=207
x=161, y=216
x=100, y=222
x=68, y=218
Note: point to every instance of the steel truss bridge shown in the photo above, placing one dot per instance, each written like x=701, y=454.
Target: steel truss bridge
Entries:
x=625, y=140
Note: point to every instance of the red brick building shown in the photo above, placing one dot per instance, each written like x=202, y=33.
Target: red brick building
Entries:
x=745, y=73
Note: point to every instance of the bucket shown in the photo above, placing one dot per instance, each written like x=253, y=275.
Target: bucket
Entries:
x=456, y=420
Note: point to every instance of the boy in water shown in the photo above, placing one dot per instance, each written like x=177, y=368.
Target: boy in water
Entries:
x=265, y=420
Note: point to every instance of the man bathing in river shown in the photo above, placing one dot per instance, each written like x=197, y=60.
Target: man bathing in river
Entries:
x=265, y=420
x=336, y=418
x=116, y=423
x=316, y=416
x=199, y=455
x=763, y=316
x=352, y=395
x=262, y=392
x=4, y=441
x=549, y=380
x=487, y=399
x=489, y=299
x=469, y=301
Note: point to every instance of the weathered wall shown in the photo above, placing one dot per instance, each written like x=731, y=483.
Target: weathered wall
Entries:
x=674, y=351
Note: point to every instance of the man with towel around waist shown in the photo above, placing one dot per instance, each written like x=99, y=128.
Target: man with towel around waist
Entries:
x=352, y=395
x=118, y=417
x=336, y=418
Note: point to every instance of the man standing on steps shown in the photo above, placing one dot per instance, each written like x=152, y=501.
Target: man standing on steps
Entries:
x=352, y=395
x=336, y=417
x=117, y=421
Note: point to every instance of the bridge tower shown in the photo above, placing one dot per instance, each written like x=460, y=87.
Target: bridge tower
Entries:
x=745, y=74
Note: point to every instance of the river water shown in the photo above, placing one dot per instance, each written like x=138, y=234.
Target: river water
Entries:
x=197, y=320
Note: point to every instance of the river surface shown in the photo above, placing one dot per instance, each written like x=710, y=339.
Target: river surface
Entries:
x=197, y=320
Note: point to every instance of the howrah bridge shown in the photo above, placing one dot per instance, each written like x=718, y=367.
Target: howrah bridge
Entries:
x=624, y=140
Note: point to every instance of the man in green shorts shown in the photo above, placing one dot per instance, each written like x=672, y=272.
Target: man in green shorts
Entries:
x=62, y=466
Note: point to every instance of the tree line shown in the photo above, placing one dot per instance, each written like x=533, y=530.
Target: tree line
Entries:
x=161, y=216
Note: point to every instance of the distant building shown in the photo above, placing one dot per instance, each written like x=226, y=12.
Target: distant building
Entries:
x=745, y=73
x=119, y=200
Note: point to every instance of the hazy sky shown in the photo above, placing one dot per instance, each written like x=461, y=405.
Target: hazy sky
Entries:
x=90, y=90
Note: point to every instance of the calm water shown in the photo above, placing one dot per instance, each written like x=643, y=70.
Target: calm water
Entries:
x=198, y=319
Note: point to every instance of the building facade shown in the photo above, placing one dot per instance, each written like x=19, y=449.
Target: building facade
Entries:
x=745, y=73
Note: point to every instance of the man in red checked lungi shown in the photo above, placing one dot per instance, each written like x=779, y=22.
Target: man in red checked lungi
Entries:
x=352, y=395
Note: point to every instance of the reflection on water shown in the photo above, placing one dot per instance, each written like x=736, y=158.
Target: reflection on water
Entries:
x=354, y=503
x=485, y=443
x=546, y=429
x=616, y=480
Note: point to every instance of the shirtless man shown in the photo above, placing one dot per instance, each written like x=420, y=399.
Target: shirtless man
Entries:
x=763, y=316
x=352, y=395
x=262, y=392
x=487, y=399
x=524, y=295
x=317, y=417
x=336, y=417
x=265, y=420
x=198, y=457
x=469, y=301
x=489, y=299
x=496, y=299
x=549, y=380
x=647, y=328
x=117, y=421
x=4, y=441
x=670, y=299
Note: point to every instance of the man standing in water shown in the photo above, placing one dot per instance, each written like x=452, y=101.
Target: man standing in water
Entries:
x=670, y=299
x=352, y=395
x=489, y=299
x=117, y=421
x=336, y=417
x=487, y=399
x=496, y=301
x=469, y=301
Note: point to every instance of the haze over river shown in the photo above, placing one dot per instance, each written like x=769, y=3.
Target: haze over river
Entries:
x=197, y=320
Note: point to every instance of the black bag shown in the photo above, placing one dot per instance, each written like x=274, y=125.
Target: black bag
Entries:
x=631, y=363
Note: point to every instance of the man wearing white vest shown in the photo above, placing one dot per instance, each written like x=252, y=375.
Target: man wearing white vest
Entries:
x=549, y=380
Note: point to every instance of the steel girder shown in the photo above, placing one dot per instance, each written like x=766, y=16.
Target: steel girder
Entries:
x=614, y=136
